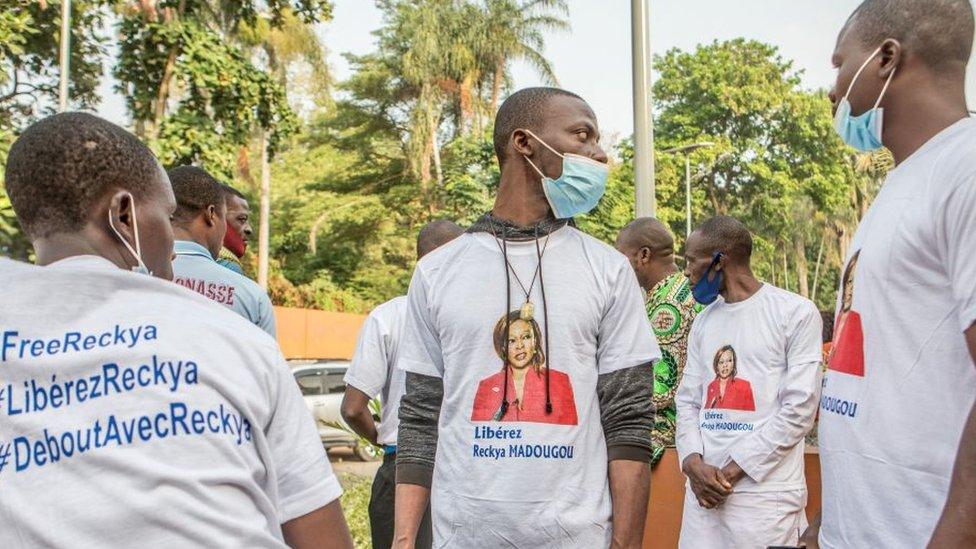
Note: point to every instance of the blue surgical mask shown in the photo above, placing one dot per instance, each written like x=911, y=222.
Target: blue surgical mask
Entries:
x=706, y=291
x=136, y=252
x=863, y=132
x=578, y=189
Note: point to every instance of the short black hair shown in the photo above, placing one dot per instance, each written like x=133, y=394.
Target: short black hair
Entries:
x=62, y=165
x=523, y=109
x=195, y=190
x=231, y=191
x=435, y=234
x=938, y=31
x=728, y=235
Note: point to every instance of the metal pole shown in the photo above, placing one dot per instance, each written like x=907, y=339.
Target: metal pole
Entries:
x=643, y=124
x=687, y=196
x=65, y=54
x=264, y=223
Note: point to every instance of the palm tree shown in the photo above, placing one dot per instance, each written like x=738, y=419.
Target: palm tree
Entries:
x=515, y=29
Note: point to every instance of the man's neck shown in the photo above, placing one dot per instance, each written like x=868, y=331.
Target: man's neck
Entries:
x=666, y=272
x=56, y=247
x=520, y=198
x=740, y=286
x=181, y=233
x=922, y=116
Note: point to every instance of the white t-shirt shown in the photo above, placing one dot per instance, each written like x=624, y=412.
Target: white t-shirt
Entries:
x=900, y=382
x=135, y=413
x=533, y=479
x=750, y=387
x=373, y=369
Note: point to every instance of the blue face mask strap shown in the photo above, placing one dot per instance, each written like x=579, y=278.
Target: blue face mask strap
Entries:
x=715, y=259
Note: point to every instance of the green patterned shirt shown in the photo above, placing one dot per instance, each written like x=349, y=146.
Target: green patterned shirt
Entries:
x=671, y=310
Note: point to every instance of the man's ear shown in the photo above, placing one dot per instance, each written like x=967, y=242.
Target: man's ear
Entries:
x=643, y=255
x=211, y=215
x=121, y=211
x=891, y=54
x=521, y=143
x=720, y=264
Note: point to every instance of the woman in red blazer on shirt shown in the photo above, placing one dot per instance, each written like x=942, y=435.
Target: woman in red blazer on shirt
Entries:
x=726, y=391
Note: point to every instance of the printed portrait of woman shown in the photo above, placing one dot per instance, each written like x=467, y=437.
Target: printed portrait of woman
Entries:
x=847, y=351
x=522, y=356
x=727, y=391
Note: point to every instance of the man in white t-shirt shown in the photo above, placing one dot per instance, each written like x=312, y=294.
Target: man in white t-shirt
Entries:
x=373, y=373
x=897, y=428
x=529, y=358
x=136, y=413
x=200, y=224
x=748, y=397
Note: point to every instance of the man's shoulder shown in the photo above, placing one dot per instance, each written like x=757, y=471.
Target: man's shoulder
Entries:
x=595, y=246
x=116, y=290
x=445, y=255
x=792, y=305
x=387, y=311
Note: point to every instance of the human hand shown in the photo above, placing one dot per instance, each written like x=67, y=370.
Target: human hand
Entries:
x=811, y=536
x=733, y=473
x=707, y=481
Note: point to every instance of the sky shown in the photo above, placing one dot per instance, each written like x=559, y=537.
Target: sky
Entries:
x=593, y=59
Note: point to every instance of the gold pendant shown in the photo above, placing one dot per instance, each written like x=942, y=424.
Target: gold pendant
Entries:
x=527, y=312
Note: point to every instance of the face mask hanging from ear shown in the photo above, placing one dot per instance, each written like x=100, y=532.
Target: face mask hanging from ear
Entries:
x=137, y=252
x=863, y=132
x=580, y=187
x=706, y=291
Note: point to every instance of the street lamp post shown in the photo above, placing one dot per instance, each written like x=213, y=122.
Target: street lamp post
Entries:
x=687, y=150
x=65, y=55
x=643, y=123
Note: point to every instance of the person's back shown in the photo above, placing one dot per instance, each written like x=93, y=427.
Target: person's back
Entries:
x=195, y=269
x=136, y=413
x=130, y=429
x=200, y=225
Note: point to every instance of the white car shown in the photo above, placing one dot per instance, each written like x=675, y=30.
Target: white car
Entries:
x=322, y=387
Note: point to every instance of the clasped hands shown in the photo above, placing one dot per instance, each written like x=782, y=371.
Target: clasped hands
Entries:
x=710, y=484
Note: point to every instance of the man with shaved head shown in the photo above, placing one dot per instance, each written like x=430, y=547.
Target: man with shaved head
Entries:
x=528, y=406
x=747, y=398
x=373, y=373
x=897, y=475
x=649, y=246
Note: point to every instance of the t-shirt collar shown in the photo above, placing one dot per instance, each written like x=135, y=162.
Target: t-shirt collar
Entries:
x=745, y=302
x=188, y=247
x=88, y=262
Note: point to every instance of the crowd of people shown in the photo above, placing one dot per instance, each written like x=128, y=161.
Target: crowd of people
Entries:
x=532, y=376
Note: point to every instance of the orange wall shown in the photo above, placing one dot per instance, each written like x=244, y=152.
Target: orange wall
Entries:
x=668, y=497
x=311, y=334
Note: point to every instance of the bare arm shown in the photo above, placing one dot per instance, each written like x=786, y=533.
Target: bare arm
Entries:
x=355, y=410
x=323, y=528
x=420, y=410
x=630, y=488
x=957, y=528
x=411, y=504
x=627, y=416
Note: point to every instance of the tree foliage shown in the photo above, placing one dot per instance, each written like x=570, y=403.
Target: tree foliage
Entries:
x=408, y=137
